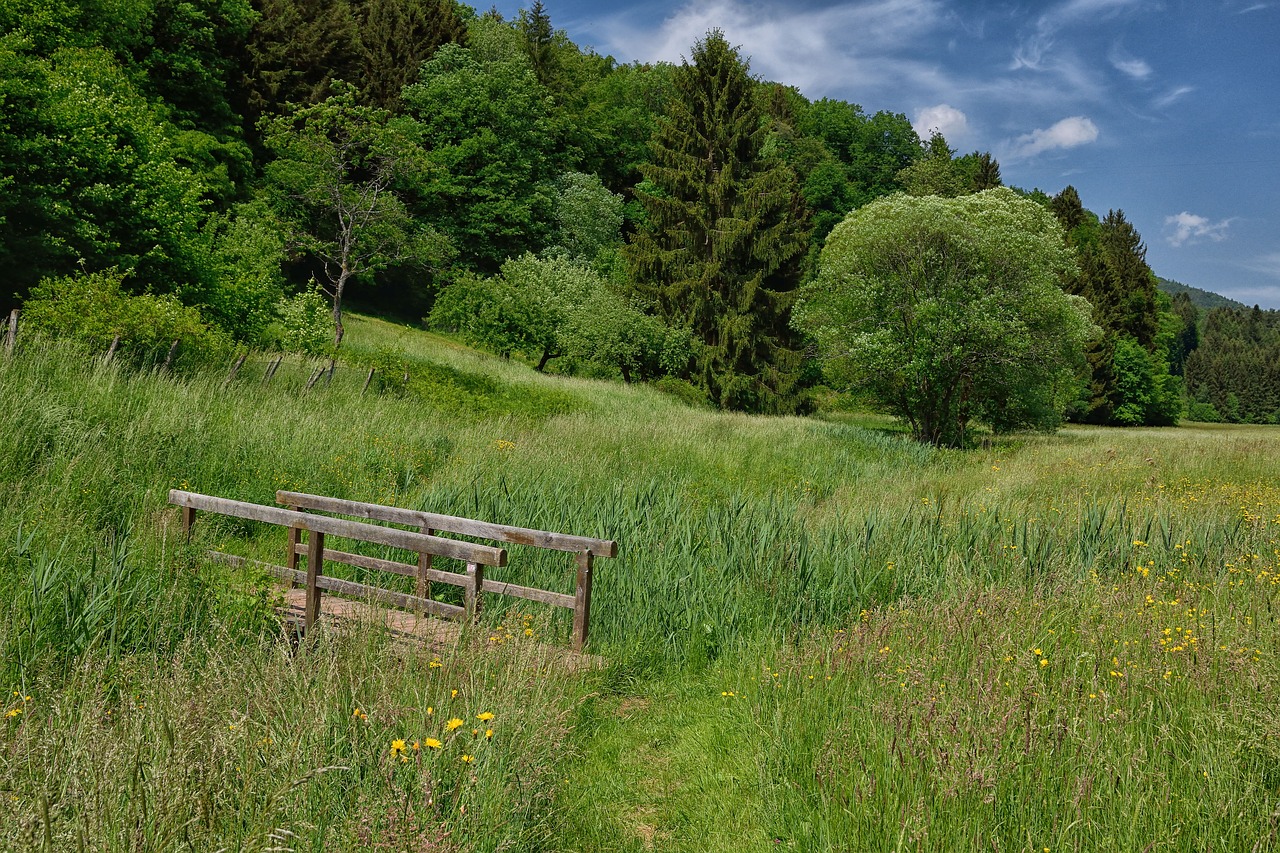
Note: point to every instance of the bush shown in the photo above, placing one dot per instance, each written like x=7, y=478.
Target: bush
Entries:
x=95, y=310
x=1203, y=412
x=306, y=324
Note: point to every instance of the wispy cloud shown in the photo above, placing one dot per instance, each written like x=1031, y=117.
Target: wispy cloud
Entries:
x=1188, y=227
x=1172, y=96
x=1069, y=133
x=1268, y=264
x=944, y=118
x=1134, y=67
x=808, y=48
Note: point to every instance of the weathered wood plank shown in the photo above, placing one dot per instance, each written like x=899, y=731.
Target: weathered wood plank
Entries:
x=11, y=333
x=582, y=602
x=409, y=540
x=452, y=524
x=556, y=599
x=315, y=569
x=378, y=564
x=471, y=592
x=348, y=588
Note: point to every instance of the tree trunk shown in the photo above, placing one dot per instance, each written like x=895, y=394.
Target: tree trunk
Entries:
x=338, y=287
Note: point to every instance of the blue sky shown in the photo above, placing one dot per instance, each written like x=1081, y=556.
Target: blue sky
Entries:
x=1168, y=110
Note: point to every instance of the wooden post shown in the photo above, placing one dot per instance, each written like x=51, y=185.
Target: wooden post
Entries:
x=367, y=380
x=168, y=359
x=471, y=592
x=188, y=519
x=315, y=377
x=11, y=334
x=111, y=350
x=235, y=367
x=295, y=539
x=271, y=371
x=582, y=602
x=315, y=567
x=423, y=589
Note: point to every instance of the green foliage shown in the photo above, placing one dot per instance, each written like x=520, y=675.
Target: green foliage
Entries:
x=94, y=309
x=1144, y=392
x=609, y=332
x=588, y=216
x=485, y=130
x=522, y=310
x=298, y=49
x=89, y=174
x=397, y=37
x=949, y=311
x=935, y=173
x=305, y=323
x=333, y=182
x=247, y=282
x=1113, y=275
x=719, y=253
x=1236, y=369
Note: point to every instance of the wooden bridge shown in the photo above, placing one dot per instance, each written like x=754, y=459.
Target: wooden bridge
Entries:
x=298, y=514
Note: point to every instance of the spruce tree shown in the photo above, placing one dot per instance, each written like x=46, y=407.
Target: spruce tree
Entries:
x=397, y=37
x=297, y=49
x=719, y=254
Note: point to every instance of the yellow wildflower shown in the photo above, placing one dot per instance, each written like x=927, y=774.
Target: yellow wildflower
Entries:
x=397, y=747
x=453, y=723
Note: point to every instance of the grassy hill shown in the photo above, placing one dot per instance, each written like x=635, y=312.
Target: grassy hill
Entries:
x=818, y=635
x=1202, y=299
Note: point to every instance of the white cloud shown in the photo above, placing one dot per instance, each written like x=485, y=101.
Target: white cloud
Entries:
x=1188, y=227
x=820, y=51
x=1167, y=100
x=1068, y=133
x=1134, y=67
x=944, y=118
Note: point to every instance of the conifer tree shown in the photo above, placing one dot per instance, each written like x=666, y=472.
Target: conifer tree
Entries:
x=720, y=252
x=397, y=37
x=298, y=48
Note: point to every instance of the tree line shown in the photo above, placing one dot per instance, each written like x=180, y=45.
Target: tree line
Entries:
x=259, y=163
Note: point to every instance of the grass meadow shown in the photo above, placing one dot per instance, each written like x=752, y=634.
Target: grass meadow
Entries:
x=817, y=635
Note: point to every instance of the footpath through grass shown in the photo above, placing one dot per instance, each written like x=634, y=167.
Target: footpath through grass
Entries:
x=819, y=636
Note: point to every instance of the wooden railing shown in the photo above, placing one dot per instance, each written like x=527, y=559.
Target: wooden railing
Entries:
x=423, y=542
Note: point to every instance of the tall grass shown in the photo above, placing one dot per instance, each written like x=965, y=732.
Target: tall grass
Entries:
x=899, y=594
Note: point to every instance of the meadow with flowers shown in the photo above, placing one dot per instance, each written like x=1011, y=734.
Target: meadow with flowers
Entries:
x=817, y=635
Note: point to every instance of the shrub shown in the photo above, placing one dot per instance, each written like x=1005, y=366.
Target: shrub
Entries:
x=94, y=309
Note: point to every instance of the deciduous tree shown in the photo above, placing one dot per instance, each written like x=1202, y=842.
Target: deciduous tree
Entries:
x=334, y=182
x=950, y=312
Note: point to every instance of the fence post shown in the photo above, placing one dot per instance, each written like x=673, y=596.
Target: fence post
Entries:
x=168, y=359
x=188, y=519
x=423, y=589
x=11, y=334
x=111, y=350
x=471, y=592
x=367, y=380
x=271, y=371
x=315, y=566
x=295, y=539
x=582, y=602
x=235, y=367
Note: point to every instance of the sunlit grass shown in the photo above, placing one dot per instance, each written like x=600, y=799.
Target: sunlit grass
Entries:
x=899, y=593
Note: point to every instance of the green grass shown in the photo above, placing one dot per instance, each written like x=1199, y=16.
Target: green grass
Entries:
x=818, y=635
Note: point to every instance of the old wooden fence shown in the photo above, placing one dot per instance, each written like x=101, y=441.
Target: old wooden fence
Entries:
x=300, y=515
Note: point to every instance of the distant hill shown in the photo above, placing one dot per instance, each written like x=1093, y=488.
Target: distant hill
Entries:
x=1202, y=299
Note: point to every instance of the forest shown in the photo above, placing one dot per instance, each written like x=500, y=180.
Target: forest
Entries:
x=235, y=173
